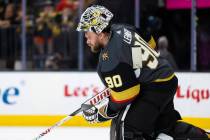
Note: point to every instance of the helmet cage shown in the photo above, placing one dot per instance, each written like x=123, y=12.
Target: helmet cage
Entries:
x=95, y=18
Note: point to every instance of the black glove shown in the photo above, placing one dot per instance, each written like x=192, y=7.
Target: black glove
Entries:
x=98, y=113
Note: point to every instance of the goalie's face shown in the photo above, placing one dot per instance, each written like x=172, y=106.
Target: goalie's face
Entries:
x=93, y=41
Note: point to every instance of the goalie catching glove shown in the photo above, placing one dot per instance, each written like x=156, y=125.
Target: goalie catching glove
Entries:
x=98, y=113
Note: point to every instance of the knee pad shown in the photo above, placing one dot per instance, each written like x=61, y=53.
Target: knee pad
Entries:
x=183, y=130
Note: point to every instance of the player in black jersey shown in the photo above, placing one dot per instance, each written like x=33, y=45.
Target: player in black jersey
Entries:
x=142, y=84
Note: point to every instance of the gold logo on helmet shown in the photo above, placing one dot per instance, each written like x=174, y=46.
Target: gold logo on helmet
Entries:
x=96, y=13
x=95, y=18
x=105, y=56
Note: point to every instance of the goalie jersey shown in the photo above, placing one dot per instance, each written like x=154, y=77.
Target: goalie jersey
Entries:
x=129, y=62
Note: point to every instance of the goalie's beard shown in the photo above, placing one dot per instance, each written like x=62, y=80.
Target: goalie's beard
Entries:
x=96, y=48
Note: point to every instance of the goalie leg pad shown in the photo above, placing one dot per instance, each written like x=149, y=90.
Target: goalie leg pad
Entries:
x=188, y=131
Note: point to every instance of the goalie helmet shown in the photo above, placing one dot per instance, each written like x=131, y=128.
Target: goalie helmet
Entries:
x=95, y=18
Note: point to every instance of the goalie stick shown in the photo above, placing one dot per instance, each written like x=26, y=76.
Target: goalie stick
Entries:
x=86, y=105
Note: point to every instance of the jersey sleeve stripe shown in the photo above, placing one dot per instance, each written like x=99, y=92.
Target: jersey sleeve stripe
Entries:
x=125, y=95
x=165, y=79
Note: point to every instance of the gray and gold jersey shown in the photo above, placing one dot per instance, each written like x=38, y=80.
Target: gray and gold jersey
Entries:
x=127, y=62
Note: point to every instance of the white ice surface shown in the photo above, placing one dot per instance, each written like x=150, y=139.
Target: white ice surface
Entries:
x=60, y=133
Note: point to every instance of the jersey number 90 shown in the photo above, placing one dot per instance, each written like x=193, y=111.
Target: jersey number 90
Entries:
x=114, y=81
